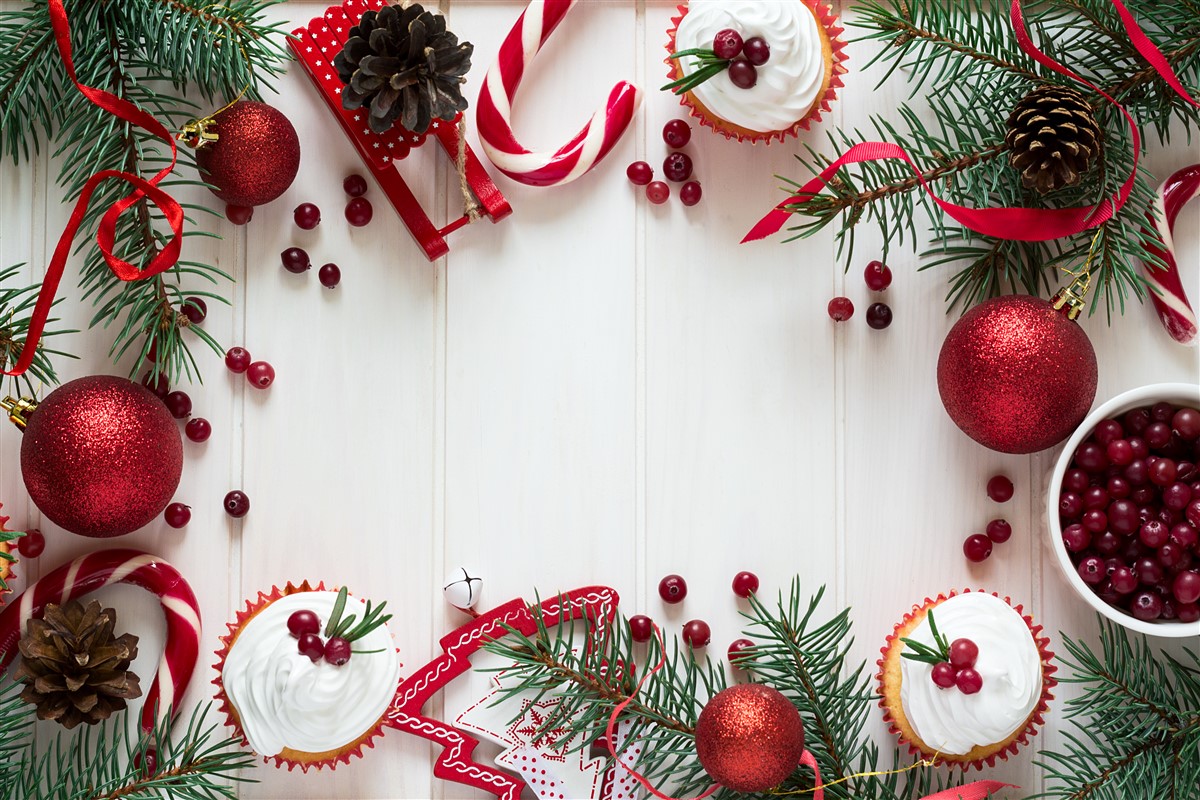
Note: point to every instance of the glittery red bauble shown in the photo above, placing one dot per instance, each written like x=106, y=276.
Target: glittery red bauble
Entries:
x=255, y=158
x=101, y=456
x=749, y=738
x=1017, y=375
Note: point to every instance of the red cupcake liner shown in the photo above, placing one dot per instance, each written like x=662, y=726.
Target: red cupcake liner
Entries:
x=6, y=567
x=1039, y=713
x=828, y=20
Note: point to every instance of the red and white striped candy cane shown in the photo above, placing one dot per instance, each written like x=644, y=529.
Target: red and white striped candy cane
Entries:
x=1168, y=295
x=494, y=116
x=88, y=573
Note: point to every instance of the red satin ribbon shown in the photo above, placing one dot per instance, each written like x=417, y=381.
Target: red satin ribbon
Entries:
x=1014, y=223
x=106, y=235
x=979, y=790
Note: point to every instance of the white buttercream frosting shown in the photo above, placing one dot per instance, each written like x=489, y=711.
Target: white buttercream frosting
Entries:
x=1009, y=663
x=283, y=699
x=788, y=84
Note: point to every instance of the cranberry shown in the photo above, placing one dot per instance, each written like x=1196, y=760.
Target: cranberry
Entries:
x=330, y=276
x=1076, y=538
x=657, y=192
x=672, y=589
x=1070, y=505
x=157, y=384
x=1168, y=609
x=639, y=173
x=1187, y=612
x=1118, y=487
x=1123, y=580
x=1137, y=473
x=177, y=515
x=1177, y=496
x=1076, y=480
x=745, y=584
x=295, y=260
x=1091, y=457
x=1174, y=557
x=757, y=51
x=179, y=404
x=198, y=429
x=727, y=43
x=1091, y=569
x=1095, y=497
x=738, y=651
x=641, y=628
x=1136, y=420
x=1157, y=434
x=963, y=653
x=195, y=309
x=359, y=212
x=307, y=216
x=696, y=633
x=337, y=651
x=840, y=309
x=1186, y=586
x=1146, y=606
x=1149, y=571
x=690, y=193
x=31, y=544
x=237, y=359
x=302, y=622
x=1147, y=513
x=237, y=504
x=1192, y=512
x=676, y=133
x=311, y=645
x=1161, y=411
x=238, y=215
x=1094, y=520
x=260, y=374
x=148, y=766
x=1139, y=447
x=1108, y=431
x=943, y=674
x=743, y=74
x=1106, y=543
x=1187, y=422
x=968, y=681
x=1153, y=533
x=879, y=315
x=1123, y=517
x=1162, y=473
x=1184, y=535
x=1119, y=451
x=354, y=185
x=977, y=547
x=1000, y=488
x=677, y=167
x=877, y=276
x=1185, y=471
x=999, y=531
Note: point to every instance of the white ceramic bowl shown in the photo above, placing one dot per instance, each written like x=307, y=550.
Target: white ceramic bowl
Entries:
x=1180, y=393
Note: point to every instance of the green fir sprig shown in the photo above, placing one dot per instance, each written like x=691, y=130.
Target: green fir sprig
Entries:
x=707, y=65
x=16, y=311
x=5, y=537
x=343, y=627
x=918, y=651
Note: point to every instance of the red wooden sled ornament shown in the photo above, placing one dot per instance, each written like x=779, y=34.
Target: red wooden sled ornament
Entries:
x=315, y=45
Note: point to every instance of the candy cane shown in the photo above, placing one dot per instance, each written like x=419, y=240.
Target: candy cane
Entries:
x=1170, y=299
x=88, y=573
x=577, y=156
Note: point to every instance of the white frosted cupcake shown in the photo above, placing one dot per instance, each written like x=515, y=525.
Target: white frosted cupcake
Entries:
x=287, y=690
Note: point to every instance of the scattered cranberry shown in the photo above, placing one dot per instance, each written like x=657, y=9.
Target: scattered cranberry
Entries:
x=307, y=216
x=677, y=167
x=696, y=633
x=672, y=589
x=295, y=260
x=968, y=681
x=639, y=173
x=311, y=645
x=641, y=628
x=359, y=212
x=237, y=359
x=31, y=544
x=198, y=429
x=999, y=531
x=745, y=584
x=237, y=504
x=840, y=309
x=1146, y=606
x=657, y=192
x=337, y=651
x=260, y=374
x=727, y=43
x=963, y=653
x=943, y=674
x=177, y=515
x=999, y=489
x=238, y=215
x=690, y=193
x=738, y=651
x=743, y=74
x=330, y=276
x=757, y=51
x=1186, y=586
x=354, y=185
x=676, y=133
x=878, y=276
x=977, y=547
x=302, y=622
x=195, y=309
x=157, y=384
x=147, y=766
x=179, y=404
x=879, y=315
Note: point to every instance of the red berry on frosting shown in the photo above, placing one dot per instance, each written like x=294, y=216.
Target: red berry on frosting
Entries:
x=757, y=51
x=337, y=651
x=943, y=674
x=743, y=74
x=672, y=589
x=1000, y=489
x=968, y=681
x=840, y=309
x=311, y=645
x=727, y=43
x=977, y=547
x=677, y=133
x=963, y=653
x=641, y=628
x=639, y=173
x=302, y=622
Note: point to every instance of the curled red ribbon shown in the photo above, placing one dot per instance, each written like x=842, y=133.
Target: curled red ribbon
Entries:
x=979, y=790
x=106, y=235
x=1014, y=223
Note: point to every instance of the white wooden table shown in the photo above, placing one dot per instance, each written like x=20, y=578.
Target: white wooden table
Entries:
x=596, y=390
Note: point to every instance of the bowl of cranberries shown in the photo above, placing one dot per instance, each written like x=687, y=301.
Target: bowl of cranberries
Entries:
x=1124, y=509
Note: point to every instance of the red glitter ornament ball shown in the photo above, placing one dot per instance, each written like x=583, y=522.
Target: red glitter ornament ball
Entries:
x=749, y=738
x=256, y=157
x=101, y=456
x=1016, y=375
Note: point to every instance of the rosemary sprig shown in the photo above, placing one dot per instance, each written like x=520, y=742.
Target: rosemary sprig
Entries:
x=344, y=628
x=708, y=64
x=925, y=653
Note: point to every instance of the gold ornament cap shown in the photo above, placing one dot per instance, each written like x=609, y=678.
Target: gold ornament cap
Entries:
x=1069, y=299
x=18, y=410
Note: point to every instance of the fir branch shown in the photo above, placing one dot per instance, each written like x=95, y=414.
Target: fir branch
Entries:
x=16, y=312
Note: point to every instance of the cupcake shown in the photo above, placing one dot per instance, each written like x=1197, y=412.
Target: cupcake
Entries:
x=965, y=679
x=773, y=76
x=306, y=675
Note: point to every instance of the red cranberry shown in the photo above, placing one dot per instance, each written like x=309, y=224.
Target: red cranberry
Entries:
x=311, y=645
x=963, y=653
x=1184, y=535
x=260, y=374
x=195, y=309
x=641, y=628
x=658, y=192
x=1139, y=447
x=1091, y=456
x=177, y=515
x=968, y=681
x=727, y=43
x=1118, y=487
x=1000, y=488
x=1172, y=556
x=1157, y=434
x=330, y=276
x=359, y=212
x=1161, y=411
x=238, y=215
x=877, y=276
x=738, y=651
x=302, y=622
x=672, y=589
x=943, y=674
x=1137, y=473
x=879, y=315
x=1123, y=580
x=1119, y=451
x=1149, y=571
x=639, y=173
x=307, y=216
x=1177, y=496
x=743, y=74
x=696, y=633
x=1108, y=430
x=1091, y=569
x=1185, y=471
x=690, y=193
x=1106, y=543
x=1153, y=533
x=157, y=384
x=677, y=167
x=1076, y=538
x=337, y=651
x=147, y=766
x=999, y=531
x=237, y=359
x=1136, y=420
x=295, y=260
x=179, y=404
x=1095, y=497
x=1187, y=422
x=977, y=547
x=354, y=185
x=676, y=133
x=1123, y=517
x=198, y=429
x=237, y=504
x=1186, y=586
x=31, y=544
x=1162, y=473
x=1187, y=612
x=1070, y=505
x=757, y=51
x=1076, y=480
x=745, y=584
x=1146, y=606
x=1094, y=520
x=840, y=309
x=1168, y=609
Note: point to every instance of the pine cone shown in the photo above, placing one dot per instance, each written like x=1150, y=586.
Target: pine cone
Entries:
x=406, y=66
x=73, y=669
x=1052, y=138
